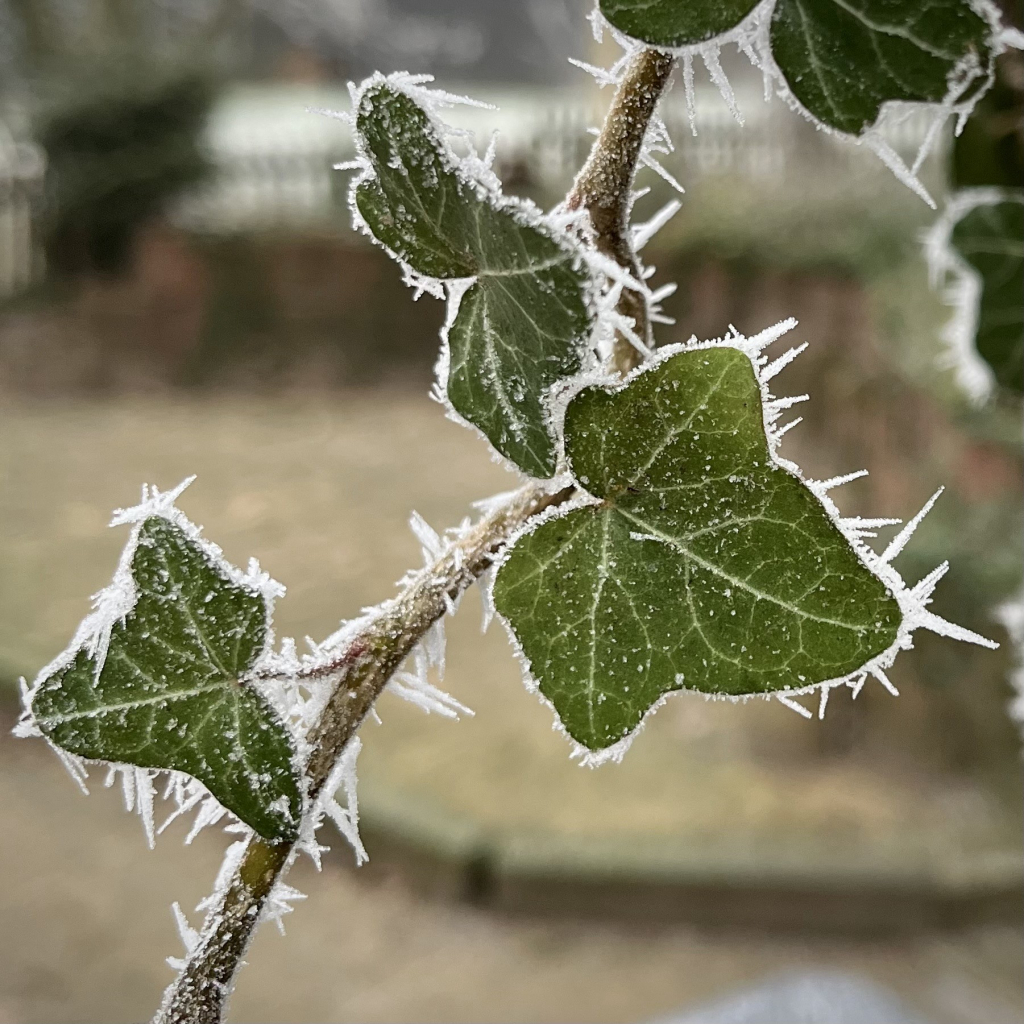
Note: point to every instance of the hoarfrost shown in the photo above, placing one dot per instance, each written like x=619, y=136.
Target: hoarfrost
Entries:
x=960, y=287
x=913, y=600
x=110, y=606
x=752, y=38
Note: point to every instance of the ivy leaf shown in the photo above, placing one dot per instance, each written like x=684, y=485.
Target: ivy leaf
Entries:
x=171, y=692
x=675, y=23
x=702, y=563
x=990, y=239
x=842, y=59
x=520, y=325
x=990, y=149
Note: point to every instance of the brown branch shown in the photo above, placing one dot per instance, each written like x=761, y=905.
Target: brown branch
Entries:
x=604, y=186
x=200, y=993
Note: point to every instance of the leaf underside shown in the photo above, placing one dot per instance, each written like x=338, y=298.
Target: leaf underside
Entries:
x=842, y=59
x=991, y=239
x=171, y=693
x=521, y=325
x=702, y=564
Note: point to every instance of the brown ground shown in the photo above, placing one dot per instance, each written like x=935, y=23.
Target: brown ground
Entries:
x=321, y=494
x=86, y=924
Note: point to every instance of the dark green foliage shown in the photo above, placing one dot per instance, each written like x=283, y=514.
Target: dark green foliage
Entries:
x=676, y=23
x=990, y=149
x=841, y=58
x=172, y=692
x=702, y=564
x=522, y=324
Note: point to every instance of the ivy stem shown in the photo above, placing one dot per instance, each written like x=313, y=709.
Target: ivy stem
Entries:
x=604, y=186
x=200, y=993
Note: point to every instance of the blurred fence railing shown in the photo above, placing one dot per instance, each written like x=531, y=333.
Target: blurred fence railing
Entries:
x=274, y=157
x=22, y=169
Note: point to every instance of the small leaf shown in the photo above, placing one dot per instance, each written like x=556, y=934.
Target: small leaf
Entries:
x=675, y=23
x=172, y=694
x=702, y=563
x=990, y=149
x=990, y=238
x=844, y=58
x=521, y=324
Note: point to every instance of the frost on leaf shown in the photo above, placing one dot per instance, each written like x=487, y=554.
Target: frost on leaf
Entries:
x=836, y=61
x=521, y=323
x=990, y=240
x=165, y=685
x=671, y=23
x=701, y=560
x=975, y=252
x=844, y=58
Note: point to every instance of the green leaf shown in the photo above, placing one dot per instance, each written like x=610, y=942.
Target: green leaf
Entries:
x=172, y=691
x=990, y=149
x=674, y=22
x=843, y=59
x=702, y=563
x=990, y=238
x=521, y=325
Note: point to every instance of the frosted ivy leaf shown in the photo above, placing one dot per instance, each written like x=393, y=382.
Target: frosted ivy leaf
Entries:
x=171, y=692
x=674, y=23
x=990, y=240
x=701, y=562
x=842, y=59
x=521, y=323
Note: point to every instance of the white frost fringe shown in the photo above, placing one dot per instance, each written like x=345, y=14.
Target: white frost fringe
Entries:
x=608, y=278
x=752, y=36
x=297, y=701
x=913, y=600
x=960, y=286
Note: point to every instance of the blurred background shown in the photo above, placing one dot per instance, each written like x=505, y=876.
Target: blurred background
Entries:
x=181, y=292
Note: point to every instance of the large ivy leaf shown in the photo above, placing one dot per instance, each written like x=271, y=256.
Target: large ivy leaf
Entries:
x=701, y=564
x=172, y=692
x=842, y=59
x=990, y=238
x=521, y=324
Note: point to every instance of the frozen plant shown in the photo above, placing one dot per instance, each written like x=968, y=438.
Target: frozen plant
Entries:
x=658, y=541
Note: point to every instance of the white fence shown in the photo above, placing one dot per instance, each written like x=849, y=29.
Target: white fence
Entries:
x=274, y=151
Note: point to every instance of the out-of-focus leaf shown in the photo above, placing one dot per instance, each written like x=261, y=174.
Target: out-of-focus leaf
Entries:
x=990, y=238
x=522, y=323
